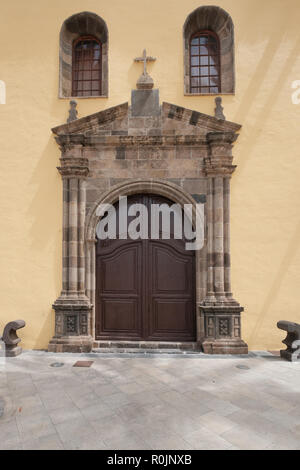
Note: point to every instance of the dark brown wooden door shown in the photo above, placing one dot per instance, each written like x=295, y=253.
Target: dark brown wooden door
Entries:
x=145, y=289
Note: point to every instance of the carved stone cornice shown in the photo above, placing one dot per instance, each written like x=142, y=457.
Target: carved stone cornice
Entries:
x=144, y=140
x=216, y=138
x=67, y=141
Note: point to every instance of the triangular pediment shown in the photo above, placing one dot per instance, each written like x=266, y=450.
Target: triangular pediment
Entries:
x=93, y=123
x=174, y=120
x=188, y=121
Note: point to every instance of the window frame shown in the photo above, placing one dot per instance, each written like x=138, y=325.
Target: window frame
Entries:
x=199, y=34
x=74, y=44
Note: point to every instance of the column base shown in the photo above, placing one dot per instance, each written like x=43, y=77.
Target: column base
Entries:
x=74, y=344
x=222, y=328
x=72, y=325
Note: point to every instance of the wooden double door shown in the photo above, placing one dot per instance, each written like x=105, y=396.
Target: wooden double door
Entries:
x=145, y=288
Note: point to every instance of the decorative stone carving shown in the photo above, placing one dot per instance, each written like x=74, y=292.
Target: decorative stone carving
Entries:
x=219, y=108
x=159, y=149
x=73, y=113
x=11, y=339
x=292, y=340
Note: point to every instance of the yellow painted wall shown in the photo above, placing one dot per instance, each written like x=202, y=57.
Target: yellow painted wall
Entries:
x=265, y=213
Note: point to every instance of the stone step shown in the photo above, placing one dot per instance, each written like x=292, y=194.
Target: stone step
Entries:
x=146, y=345
x=141, y=351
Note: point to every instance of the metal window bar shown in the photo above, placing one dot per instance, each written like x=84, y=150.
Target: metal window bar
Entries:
x=205, y=76
x=87, y=67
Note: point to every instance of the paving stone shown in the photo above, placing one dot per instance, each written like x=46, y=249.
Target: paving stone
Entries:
x=159, y=402
x=9, y=433
x=168, y=441
x=106, y=390
x=86, y=442
x=131, y=388
x=97, y=411
x=117, y=399
x=73, y=429
x=129, y=442
x=65, y=413
x=110, y=427
x=35, y=426
x=204, y=439
x=51, y=442
x=216, y=423
x=244, y=439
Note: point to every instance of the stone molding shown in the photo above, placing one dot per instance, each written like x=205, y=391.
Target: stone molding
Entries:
x=81, y=24
x=214, y=19
x=199, y=147
x=151, y=186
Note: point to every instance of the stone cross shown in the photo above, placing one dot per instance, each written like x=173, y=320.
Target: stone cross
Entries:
x=145, y=59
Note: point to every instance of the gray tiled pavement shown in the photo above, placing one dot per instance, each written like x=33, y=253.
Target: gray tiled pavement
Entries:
x=149, y=402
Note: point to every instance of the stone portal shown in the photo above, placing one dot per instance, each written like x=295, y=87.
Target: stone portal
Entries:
x=147, y=148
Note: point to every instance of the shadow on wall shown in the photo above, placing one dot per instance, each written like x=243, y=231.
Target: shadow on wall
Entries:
x=271, y=297
x=45, y=234
x=258, y=81
x=286, y=21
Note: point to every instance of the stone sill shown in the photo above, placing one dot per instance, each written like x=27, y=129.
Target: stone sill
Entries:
x=209, y=94
x=81, y=97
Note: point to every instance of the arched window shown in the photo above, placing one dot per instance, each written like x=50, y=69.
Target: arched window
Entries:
x=86, y=67
x=205, y=63
x=83, y=56
x=208, y=35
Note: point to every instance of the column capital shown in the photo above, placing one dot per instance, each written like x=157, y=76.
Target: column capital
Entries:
x=219, y=160
x=74, y=167
x=73, y=163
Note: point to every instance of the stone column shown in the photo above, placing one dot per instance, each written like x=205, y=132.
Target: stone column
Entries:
x=220, y=311
x=227, y=276
x=72, y=308
x=210, y=296
x=218, y=218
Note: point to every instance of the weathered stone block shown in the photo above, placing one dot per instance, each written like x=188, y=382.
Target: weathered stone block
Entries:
x=145, y=103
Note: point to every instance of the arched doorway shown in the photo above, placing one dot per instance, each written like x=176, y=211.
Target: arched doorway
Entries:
x=145, y=288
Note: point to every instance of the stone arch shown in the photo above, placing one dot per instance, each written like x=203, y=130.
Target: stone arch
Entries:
x=217, y=20
x=80, y=24
x=150, y=186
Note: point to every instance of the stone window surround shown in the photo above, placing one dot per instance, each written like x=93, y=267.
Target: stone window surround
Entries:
x=81, y=24
x=215, y=19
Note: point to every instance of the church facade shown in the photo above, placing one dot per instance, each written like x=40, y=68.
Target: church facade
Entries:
x=121, y=121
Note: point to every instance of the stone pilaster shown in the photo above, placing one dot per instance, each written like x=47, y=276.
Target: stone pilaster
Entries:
x=220, y=312
x=72, y=308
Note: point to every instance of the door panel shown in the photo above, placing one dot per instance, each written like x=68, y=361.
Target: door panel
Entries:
x=118, y=291
x=120, y=270
x=171, y=312
x=145, y=289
